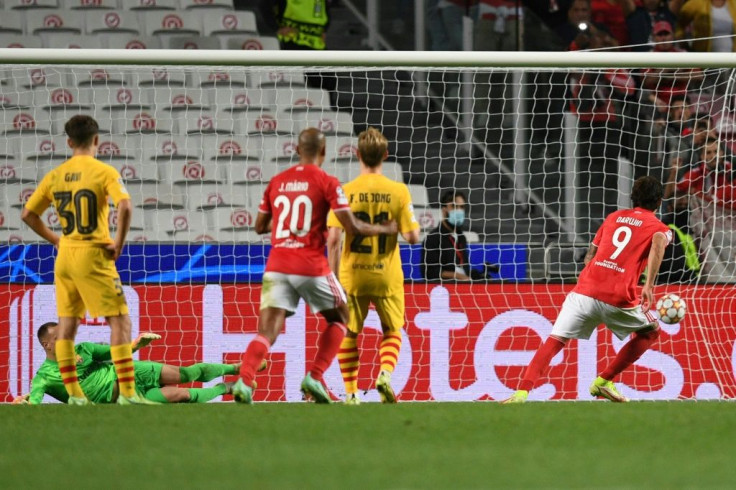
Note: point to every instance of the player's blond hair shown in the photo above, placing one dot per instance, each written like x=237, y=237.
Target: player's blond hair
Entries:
x=372, y=146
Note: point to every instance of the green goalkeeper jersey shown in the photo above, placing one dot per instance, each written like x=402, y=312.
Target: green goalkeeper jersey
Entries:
x=95, y=371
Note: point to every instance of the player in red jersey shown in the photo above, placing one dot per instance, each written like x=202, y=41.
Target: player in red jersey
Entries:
x=294, y=209
x=628, y=241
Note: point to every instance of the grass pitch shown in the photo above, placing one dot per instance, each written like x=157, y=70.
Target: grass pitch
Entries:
x=409, y=445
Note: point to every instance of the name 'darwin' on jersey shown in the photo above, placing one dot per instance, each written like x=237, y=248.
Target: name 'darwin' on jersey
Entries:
x=294, y=186
x=628, y=220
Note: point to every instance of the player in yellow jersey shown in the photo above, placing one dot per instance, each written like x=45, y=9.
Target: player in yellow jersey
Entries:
x=85, y=276
x=370, y=267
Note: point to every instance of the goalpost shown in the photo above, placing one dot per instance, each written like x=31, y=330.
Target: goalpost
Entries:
x=542, y=144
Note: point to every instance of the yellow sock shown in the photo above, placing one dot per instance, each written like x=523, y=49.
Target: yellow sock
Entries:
x=67, y=359
x=349, y=361
x=122, y=358
x=389, y=351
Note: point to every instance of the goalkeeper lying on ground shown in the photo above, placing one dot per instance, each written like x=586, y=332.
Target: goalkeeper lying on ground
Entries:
x=155, y=381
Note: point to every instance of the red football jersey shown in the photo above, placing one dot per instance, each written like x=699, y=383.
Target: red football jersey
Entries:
x=623, y=242
x=299, y=199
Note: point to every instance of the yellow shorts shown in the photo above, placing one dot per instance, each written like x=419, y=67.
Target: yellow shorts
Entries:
x=390, y=310
x=87, y=280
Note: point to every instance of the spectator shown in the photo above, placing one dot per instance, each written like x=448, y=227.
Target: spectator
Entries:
x=713, y=192
x=641, y=19
x=499, y=26
x=609, y=14
x=445, y=22
x=445, y=251
x=681, y=263
x=302, y=24
x=580, y=32
x=711, y=24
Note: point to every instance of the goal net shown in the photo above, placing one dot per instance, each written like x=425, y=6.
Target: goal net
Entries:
x=541, y=155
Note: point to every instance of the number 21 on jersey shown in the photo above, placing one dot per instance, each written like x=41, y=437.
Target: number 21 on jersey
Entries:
x=294, y=217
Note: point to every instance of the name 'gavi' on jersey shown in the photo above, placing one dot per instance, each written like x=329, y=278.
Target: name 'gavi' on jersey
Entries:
x=372, y=265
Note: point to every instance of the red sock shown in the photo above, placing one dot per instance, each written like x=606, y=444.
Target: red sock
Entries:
x=329, y=344
x=254, y=354
x=629, y=353
x=540, y=362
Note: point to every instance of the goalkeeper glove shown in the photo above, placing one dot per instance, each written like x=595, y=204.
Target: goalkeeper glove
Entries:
x=144, y=339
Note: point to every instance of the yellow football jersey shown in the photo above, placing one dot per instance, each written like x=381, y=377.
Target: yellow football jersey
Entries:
x=79, y=189
x=372, y=265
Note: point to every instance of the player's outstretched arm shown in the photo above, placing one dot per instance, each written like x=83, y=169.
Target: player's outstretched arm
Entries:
x=590, y=253
x=263, y=223
x=143, y=340
x=353, y=225
x=656, y=253
x=334, y=248
x=36, y=224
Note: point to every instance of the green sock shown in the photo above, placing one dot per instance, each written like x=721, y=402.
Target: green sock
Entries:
x=203, y=395
x=205, y=372
x=155, y=395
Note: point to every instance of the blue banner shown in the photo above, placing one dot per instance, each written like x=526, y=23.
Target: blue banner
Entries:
x=220, y=263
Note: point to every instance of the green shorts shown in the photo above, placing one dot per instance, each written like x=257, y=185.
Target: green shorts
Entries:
x=147, y=375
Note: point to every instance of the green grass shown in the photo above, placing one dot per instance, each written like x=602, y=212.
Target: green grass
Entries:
x=427, y=445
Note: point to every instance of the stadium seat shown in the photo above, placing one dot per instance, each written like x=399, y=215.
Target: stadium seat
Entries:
x=192, y=236
x=59, y=117
x=9, y=217
x=154, y=147
x=244, y=171
x=171, y=23
x=236, y=100
x=129, y=41
x=172, y=221
x=61, y=98
x=119, y=99
x=30, y=6
x=279, y=149
x=185, y=172
x=114, y=147
x=157, y=196
x=206, y=5
x=9, y=149
x=428, y=218
x=158, y=76
x=329, y=122
x=146, y=6
x=16, y=99
x=17, y=172
x=15, y=41
x=19, y=235
x=43, y=77
x=179, y=99
x=65, y=40
x=96, y=77
x=43, y=147
x=41, y=21
x=143, y=122
x=272, y=78
x=11, y=23
x=132, y=170
x=419, y=195
x=226, y=26
x=23, y=121
x=342, y=149
x=227, y=148
x=51, y=219
x=191, y=42
x=297, y=99
x=16, y=195
x=231, y=218
x=262, y=123
x=136, y=221
x=252, y=43
x=89, y=5
x=220, y=78
x=209, y=196
x=393, y=171
x=99, y=21
x=199, y=122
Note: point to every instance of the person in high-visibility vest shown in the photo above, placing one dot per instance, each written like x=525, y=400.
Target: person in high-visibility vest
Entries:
x=302, y=23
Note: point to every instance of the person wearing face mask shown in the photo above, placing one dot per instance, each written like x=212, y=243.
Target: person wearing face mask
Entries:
x=445, y=251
